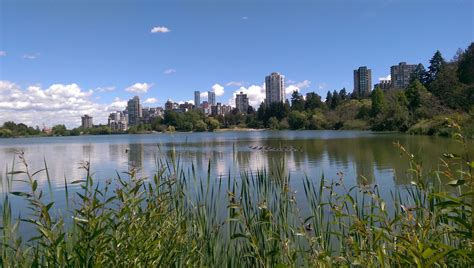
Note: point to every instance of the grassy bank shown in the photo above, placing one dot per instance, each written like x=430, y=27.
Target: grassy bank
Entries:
x=176, y=219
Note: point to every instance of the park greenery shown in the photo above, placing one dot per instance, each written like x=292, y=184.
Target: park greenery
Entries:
x=256, y=220
x=442, y=92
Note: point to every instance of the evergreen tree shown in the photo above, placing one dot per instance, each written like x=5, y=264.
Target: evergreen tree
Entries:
x=297, y=101
x=313, y=101
x=343, y=94
x=328, y=98
x=419, y=74
x=336, y=99
x=436, y=63
x=466, y=66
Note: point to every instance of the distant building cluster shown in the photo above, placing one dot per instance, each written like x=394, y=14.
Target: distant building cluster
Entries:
x=135, y=114
x=400, y=77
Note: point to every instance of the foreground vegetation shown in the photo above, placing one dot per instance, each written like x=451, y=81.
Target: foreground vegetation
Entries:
x=256, y=220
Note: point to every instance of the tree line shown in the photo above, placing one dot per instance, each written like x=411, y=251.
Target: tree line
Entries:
x=435, y=97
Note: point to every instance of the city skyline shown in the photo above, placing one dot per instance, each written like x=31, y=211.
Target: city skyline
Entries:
x=86, y=65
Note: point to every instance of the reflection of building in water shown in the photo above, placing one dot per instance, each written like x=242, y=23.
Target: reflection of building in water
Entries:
x=135, y=155
x=87, y=150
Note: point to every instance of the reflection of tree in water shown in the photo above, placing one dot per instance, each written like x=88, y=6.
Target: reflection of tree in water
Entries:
x=135, y=155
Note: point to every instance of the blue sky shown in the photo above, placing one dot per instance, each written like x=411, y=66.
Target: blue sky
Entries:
x=98, y=49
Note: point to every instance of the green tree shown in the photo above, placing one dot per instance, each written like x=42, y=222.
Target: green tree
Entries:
x=335, y=100
x=436, y=63
x=200, y=126
x=313, y=101
x=466, y=66
x=297, y=120
x=419, y=74
x=213, y=124
x=413, y=95
x=328, y=99
x=378, y=102
x=273, y=123
x=297, y=101
x=60, y=130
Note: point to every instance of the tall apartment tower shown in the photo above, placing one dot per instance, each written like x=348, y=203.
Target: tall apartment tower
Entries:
x=86, y=121
x=274, y=88
x=242, y=102
x=362, y=82
x=134, y=110
x=211, y=98
x=401, y=74
x=197, y=98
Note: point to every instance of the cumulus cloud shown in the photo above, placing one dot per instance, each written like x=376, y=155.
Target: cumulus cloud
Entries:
x=256, y=95
x=204, y=94
x=3, y=53
x=169, y=71
x=139, y=88
x=235, y=84
x=322, y=86
x=160, y=29
x=218, y=89
x=297, y=86
x=56, y=104
x=30, y=56
x=388, y=77
x=151, y=100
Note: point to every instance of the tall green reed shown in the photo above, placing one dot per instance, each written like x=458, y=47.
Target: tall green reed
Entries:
x=178, y=219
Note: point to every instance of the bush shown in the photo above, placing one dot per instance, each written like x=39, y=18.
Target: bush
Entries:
x=297, y=120
x=200, y=126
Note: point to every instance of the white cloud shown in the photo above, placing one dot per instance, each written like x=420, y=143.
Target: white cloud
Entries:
x=297, y=86
x=169, y=71
x=30, y=56
x=104, y=89
x=151, y=100
x=322, y=86
x=139, y=88
x=235, y=84
x=291, y=88
x=204, y=94
x=160, y=29
x=3, y=53
x=56, y=104
x=256, y=95
x=388, y=77
x=218, y=89
x=245, y=18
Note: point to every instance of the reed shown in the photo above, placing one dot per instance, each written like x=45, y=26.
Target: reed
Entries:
x=178, y=219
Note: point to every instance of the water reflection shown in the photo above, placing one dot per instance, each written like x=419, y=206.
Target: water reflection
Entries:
x=363, y=157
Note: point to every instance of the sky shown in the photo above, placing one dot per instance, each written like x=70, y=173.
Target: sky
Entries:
x=62, y=59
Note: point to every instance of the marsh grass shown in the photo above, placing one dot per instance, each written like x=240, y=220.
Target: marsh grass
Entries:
x=254, y=220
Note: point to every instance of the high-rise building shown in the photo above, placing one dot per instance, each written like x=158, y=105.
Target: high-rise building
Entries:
x=197, y=98
x=401, y=74
x=362, y=82
x=211, y=98
x=134, y=110
x=171, y=105
x=242, y=103
x=216, y=109
x=118, y=121
x=87, y=121
x=274, y=88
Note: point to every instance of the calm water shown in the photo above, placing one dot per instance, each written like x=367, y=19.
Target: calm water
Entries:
x=355, y=153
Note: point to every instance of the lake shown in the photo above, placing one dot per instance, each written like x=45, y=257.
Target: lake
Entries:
x=363, y=157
